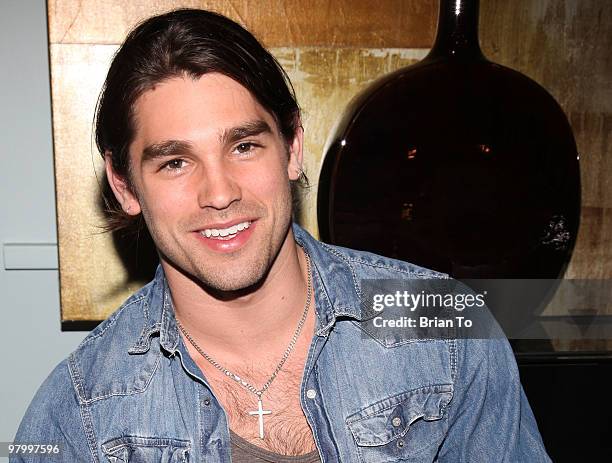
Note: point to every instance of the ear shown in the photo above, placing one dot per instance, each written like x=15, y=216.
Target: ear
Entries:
x=294, y=167
x=128, y=200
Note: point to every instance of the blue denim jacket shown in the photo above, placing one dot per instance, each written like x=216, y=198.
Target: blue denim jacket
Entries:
x=130, y=392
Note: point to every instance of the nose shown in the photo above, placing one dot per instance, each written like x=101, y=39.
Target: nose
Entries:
x=218, y=189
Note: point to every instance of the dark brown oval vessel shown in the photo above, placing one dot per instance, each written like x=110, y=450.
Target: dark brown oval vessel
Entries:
x=457, y=164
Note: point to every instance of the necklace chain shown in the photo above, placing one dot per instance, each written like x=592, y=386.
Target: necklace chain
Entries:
x=296, y=334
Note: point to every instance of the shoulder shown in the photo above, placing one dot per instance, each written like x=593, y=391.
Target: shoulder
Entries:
x=55, y=389
x=56, y=418
x=53, y=409
x=490, y=357
x=95, y=354
x=379, y=266
x=113, y=359
x=352, y=277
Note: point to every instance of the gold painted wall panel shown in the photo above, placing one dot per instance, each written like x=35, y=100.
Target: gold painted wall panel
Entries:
x=90, y=270
x=297, y=23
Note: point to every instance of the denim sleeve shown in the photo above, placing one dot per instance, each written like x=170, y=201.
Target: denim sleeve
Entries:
x=53, y=417
x=489, y=417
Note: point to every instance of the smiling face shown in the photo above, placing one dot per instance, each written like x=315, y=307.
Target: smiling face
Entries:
x=210, y=173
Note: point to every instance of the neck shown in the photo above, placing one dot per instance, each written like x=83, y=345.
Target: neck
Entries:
x=457, y=35
x=263, y=317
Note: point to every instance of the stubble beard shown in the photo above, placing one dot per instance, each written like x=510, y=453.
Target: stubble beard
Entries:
x=237, y=275
x=229, y=278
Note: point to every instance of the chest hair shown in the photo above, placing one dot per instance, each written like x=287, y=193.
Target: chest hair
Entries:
x=286, y=430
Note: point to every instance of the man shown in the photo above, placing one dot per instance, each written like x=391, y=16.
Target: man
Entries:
x=249, y=343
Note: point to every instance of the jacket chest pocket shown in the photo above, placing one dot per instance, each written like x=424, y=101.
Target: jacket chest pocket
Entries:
x=136, y=449
x=408, y=427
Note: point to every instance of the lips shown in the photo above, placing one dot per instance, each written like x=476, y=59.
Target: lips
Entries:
x=228, y=236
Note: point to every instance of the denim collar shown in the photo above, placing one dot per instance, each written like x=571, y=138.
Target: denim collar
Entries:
x=335, y=287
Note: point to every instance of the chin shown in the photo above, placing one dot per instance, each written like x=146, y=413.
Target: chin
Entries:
x=230, y=281
x=230, y=284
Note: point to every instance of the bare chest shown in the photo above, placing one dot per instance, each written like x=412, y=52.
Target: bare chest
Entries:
x=285, y=428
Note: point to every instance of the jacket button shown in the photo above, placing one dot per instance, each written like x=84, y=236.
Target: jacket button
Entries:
x=396, y=421
x=206, y=402
x=400, y=443
x=311, y=393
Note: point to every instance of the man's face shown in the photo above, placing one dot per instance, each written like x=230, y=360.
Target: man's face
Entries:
x=210, y=174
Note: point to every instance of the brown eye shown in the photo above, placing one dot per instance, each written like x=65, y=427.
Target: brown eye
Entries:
x=174, y=164
x=244, y=147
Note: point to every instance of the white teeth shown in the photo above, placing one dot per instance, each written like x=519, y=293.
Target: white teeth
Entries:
x=223, y=232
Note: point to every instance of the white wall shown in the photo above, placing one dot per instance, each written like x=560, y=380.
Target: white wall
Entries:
x=30, y=334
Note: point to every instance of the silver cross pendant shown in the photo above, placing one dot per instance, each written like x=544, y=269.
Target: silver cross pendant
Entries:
x=261, y=412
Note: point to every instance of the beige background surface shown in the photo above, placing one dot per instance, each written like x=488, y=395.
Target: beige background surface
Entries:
x=331, y=50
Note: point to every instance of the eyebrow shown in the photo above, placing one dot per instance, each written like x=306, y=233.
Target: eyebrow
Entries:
x=165, y=149
x=248, y=129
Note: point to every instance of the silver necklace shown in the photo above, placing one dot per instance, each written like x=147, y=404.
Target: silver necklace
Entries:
x=260, y=412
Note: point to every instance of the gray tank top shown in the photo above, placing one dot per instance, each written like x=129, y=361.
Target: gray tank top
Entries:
x=245, y=452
